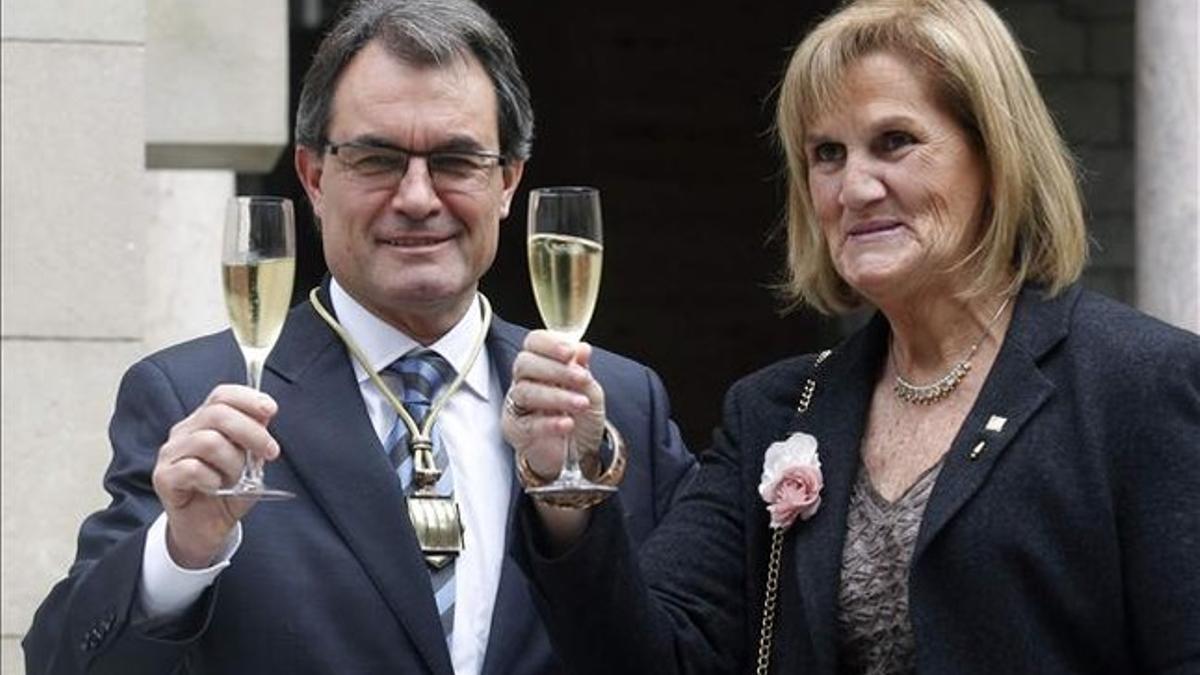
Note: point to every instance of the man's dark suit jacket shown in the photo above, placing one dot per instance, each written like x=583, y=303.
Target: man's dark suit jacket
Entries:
x=330, y=582
x=1070, y=543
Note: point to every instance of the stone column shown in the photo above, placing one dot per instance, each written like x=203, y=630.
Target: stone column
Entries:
x=73, y=218
x=183, y=254
x=1168, y=157
x=216, y=103
x=103, y=260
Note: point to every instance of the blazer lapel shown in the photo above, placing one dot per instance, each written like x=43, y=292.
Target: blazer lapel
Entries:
x=836, y=417
x=513, y=615
x=1014, y=391
x=328, y=441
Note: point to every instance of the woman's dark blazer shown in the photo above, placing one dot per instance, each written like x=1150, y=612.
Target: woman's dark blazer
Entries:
x=1068, y=543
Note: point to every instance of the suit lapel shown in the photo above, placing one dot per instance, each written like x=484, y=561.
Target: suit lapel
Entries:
x=513, y=615
x=836, y=418
x=1014, y=391
x=328, y=441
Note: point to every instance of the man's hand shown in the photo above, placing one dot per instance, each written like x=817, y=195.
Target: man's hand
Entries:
x=554, y=395
x=205, y=451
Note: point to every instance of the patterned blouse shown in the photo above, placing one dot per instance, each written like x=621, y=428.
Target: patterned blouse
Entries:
x=875, y=635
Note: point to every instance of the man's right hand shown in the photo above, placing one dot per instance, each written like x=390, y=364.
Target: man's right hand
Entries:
x=206, y=451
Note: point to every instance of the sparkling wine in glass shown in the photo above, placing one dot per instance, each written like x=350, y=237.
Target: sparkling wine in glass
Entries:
x=258, y=264
x=565, y=253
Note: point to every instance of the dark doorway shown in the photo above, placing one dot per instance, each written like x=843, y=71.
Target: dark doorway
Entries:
x=667, y=108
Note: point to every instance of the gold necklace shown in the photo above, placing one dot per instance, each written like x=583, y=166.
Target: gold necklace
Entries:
x=435, y=518
x=928, y=394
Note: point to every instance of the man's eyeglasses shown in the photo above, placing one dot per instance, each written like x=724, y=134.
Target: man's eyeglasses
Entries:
x=383, y=166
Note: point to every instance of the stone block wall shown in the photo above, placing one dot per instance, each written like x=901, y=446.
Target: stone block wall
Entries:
x=102, y=260
x=1082, y=54
x=72, y=219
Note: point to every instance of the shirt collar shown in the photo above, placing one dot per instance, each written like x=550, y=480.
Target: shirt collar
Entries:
x=381, y=343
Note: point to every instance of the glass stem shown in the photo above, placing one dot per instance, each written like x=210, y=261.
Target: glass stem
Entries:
x=252, y=471
x=254, y=368
x=571, y=473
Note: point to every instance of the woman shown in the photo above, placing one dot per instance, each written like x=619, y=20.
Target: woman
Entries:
x=1006, y=475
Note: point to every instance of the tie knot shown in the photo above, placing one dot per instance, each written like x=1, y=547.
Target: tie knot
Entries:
x=422, y=374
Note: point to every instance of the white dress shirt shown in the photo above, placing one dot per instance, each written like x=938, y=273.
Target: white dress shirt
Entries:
x=482, y=468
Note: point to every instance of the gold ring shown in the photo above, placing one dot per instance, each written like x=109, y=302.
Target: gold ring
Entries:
x=513, y=407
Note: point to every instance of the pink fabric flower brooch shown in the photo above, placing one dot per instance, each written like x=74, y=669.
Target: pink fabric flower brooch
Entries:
x=791, y=480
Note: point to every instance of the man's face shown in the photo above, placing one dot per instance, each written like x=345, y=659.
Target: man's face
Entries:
x=407, y=251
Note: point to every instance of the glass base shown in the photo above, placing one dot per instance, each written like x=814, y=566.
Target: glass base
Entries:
x=254, y=492
x=571, y=488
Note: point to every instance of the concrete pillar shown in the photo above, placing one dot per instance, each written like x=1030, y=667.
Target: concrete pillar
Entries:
x=183, y=255
x=217, y=84
x=1168, y=161
x=72, y=218
x=102, y=260
x=216, y=102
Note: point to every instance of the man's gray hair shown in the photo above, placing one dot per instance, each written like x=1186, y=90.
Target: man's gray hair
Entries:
x=424, y=33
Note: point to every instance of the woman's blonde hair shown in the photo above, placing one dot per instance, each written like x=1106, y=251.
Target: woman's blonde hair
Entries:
x=1033, y=228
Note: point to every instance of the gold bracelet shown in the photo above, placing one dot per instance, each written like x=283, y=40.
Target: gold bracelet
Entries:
x=611, y=477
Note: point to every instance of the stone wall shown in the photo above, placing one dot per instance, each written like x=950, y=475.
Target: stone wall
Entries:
x=103, y=260
x=1081, y=52
x=72, y=216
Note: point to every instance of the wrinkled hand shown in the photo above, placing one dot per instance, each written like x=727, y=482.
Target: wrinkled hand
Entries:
x=556, y=396
x=204, y=452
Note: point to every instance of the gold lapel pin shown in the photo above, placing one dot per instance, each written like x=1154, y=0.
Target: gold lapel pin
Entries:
x=995, y=425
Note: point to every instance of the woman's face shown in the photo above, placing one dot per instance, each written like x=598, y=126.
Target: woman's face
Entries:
x=896, y=183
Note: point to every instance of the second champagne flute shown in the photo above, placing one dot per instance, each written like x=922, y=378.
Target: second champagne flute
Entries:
x=566, y=249
x=258, y=264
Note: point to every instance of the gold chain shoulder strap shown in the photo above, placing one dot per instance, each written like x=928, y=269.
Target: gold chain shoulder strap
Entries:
x=766, y=633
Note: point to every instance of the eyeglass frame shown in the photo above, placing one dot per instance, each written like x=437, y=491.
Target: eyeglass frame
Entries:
x=429, y=156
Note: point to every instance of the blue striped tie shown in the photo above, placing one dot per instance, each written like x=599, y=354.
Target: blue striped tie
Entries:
x=421, y=373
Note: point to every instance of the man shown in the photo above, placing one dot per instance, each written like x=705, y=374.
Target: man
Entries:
x=412, y=133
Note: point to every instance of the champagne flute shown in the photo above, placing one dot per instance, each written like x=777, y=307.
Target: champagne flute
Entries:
x=258, y=263
x=565, y=254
